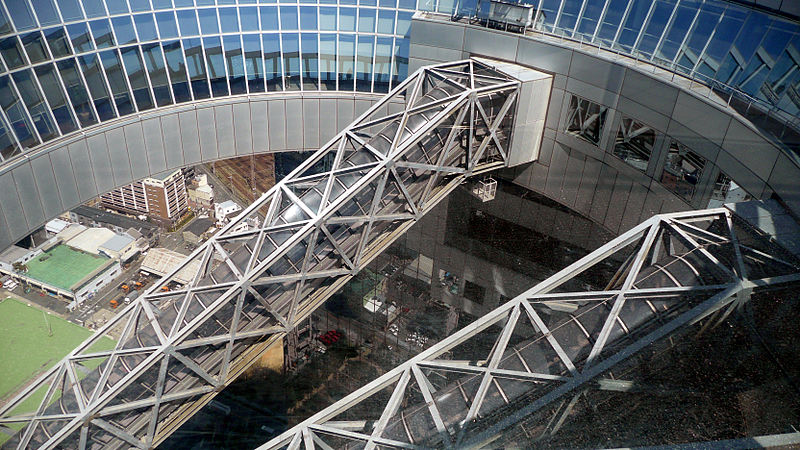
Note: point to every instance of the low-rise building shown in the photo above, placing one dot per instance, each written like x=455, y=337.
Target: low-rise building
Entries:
x=94, y=217
x=163, y=197
x=201, y=194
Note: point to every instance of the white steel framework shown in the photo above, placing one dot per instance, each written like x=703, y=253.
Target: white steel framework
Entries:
x=178, y=345
x=671, y=271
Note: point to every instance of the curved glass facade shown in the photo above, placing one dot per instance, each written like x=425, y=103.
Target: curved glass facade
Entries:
x=70, y=64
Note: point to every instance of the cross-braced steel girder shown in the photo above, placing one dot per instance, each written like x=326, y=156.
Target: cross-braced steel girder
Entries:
x=671, y=271
x=272, y=266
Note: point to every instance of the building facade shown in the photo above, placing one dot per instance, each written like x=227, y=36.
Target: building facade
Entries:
x=163, y=198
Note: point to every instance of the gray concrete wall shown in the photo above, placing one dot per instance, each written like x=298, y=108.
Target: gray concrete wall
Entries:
x=589, y=178
x=78, y=167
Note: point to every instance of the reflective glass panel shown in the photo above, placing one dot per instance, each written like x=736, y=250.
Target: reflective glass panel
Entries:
x=116, y=79
x=366, y=46
x=35, y=103
x=327, y=61
x=8, y=146
x=5, y=23
x=403, y=23
x=400, y=71
x=57, y=41
x=145, y=27
x=117, y=6
x=308, y=18
x=383, y=64
x=347, y=53
x=90, y=68
x=195, y=64
x=76, y=92
x=187, y=20
x=123, y=29
x=249, y=18
x=35, y=47
x=253, y=62
x=167, y=28
x=101, y=30
x=70, y=9
x=366, y=20
x=154, y=61
x=347, y=19
x=308, y=44
x=11, y=50
x=16, y=114
x=634, y=143
x=291, y=60
x=585, y=119
x=235, y=63
x=55, y=97
x=208, y=21
x=385, y=21
x=682, y=170
x=288, y=17
x=94, y=8
x=229, y=20
x=216, y=66
x=137, y=78
x=80, y=38
x=269, y=18
x=20, y=14
x=327, y=19
x=162, y=4
x=140, y=5
x=46, y=12
x=407, y=4
x=273, y=65
x=177, y=71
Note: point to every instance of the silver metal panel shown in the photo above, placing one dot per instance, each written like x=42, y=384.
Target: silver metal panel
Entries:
x=784, y=181
x=206, y=126
x=101, y=163
x=633, y=210
x=572, y=178
x=294, y=124
x=438, y=34
x=277, y=124
x=602, y=195
x=47, y=186
x=555, y=176
x=311, y=121
x=5, y=237
x=241, y=126
x=118, y=153
x=12, y=208
x=701, y=117
x=327, y=123
x=138, y=152
x=154, y=137
x=616, y=206
x=652, y=93
x=82, y=165
x=696, y=142
x=490, y=43
x=423, y=55
x=260, y=129
x=744, y=177
x=642, y=113
x=592, y=92
x=29, y=195
x=543, y=56
x=589, y=180
x=223, y=117
x=345, y=112
x=360, y=107
x=65, y=177
x=554, y=110
x=597, y=72
x=190, y=139
x=751, y=149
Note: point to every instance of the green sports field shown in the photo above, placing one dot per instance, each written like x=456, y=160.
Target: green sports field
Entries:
x=27, y=347
x=62, y=266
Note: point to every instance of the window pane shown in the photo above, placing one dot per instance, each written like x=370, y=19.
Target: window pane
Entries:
x=383, y=61
x=55, y=96
x=35, y=103
x=249, y=18
x=140, y=5
x=117, y=6
x=57, y=41
x=116, y=79
x=208, y=21
x=403, y=23
x=400, y=71
x=253, y=62
x=145, y=27
x=288, y=17
x=634, y=143
x=134, y=68
x=179, y=3
x=327, y=19
x=347, y=53
x=216, y=66
x=5, y=23
x=385, y=21
x=70, y=10
x=123, y=28
x=269, y=18
x=167, y=28
x=12, y=52
x=154, y=61
x=682, y=170
x=366, y=45
x=35, y=48
x=347, y=19
x=308, y=18
x=585, y=119
x=229, y=20
x=366, y=20
x=291, y=60
x=16, y=114
x=235, y=63
x=162, y=4
x=79, y=36
x=101, y=30
x=20, y=14
x=76, y=92
x=187, y=19
x=97, y=86
x=310, y=62
x=8, y=146
x=94, y=8
x=327, y=61
x=273, y=70
x=195, y=64
x=177, y=71
x=46, y=12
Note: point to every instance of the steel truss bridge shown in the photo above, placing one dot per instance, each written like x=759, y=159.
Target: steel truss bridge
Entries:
x=272, y=266
x=529, y=354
